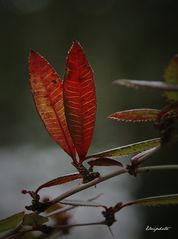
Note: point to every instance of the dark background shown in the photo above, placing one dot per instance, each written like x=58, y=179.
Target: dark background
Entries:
x=122, y=39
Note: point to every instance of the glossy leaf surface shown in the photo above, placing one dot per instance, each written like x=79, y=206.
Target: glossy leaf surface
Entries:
x=11, y=222
x=79, y=99
x=155, y=85
x=135, y=115
x=47, y=90
x=171, y=77
x=128, y=149
x=60, y=180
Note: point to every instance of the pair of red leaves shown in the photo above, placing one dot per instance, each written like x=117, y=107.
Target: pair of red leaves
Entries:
x=67, y=108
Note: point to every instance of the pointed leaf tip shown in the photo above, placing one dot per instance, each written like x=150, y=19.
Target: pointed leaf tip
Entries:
x=34, y=57
x=76, y=43
x=135, y=115
x=79, y=99
x=32, y=52
x=75, y=48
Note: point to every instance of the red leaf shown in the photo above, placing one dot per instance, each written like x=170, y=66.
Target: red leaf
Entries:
x=59, y=180
x=48, y=95
x=79, y=99
x=136, y=115
x=104, y=162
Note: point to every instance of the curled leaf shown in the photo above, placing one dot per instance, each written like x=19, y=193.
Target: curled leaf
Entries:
x=127, y=149
x=11, y=222
x=104, y=162
x=79, y=99
x=47, y=91
x=60, y=180
x=155, y=85
x=135, y=115
x=171, y=77
x=140, y=157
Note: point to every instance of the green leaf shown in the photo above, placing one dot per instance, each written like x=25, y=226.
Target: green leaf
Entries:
x=128, y=149
x=156, y=201
x=11, y=222
x=34, y=220
x=171, y=77
x=135, y=115
x=154, y=85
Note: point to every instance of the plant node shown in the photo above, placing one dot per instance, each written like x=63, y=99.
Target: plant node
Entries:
x=86, y=174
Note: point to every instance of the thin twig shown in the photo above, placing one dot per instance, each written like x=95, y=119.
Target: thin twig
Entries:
x=62, y=210
x=157, y=168
x=93, y=183
x=108, y=176
x=82, y=187
x=82, y=224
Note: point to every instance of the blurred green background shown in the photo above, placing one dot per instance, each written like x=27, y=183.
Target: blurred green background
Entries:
x=122, y=39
